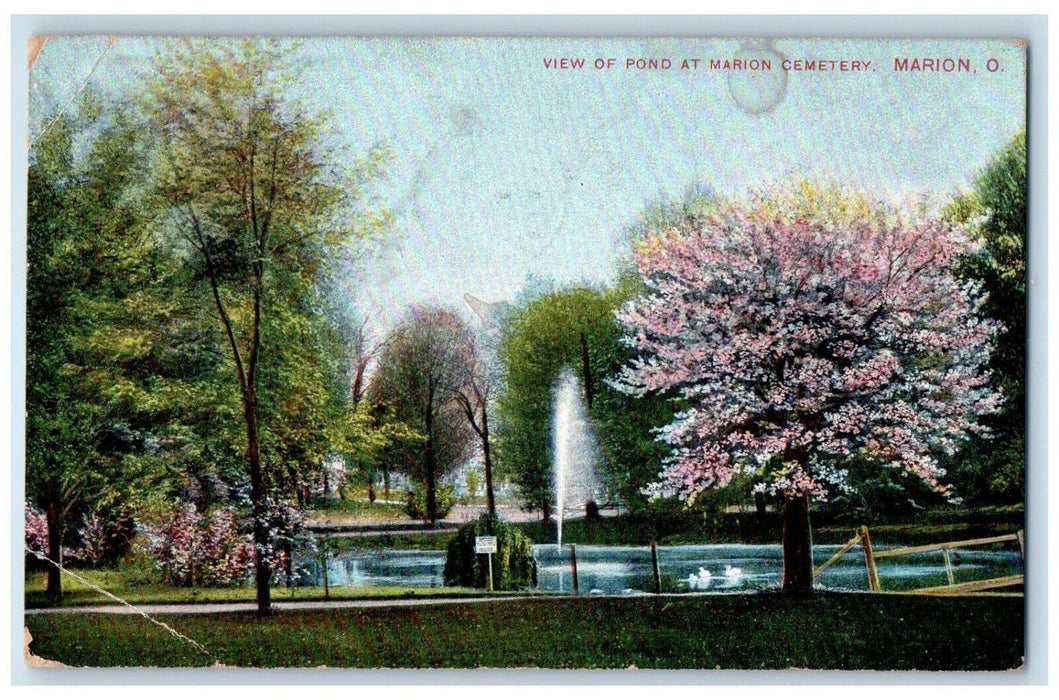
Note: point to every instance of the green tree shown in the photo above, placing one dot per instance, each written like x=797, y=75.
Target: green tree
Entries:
x=995, y=213
x=257, y=205
x=573, y=328
x=94, y=324
x=422, y=362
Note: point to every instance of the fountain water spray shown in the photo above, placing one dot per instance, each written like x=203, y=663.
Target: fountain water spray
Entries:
x=577, y=455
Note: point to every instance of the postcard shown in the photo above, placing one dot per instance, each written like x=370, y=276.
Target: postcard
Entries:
x=526, y=353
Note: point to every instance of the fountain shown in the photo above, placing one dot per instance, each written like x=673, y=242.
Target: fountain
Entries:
x=576, y=453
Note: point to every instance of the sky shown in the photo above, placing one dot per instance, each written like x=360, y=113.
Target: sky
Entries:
x=504, y=168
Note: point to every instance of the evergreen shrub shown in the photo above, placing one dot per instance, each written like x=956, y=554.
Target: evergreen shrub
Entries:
x=513, y=565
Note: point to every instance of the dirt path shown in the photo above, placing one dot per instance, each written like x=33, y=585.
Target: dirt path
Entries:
x=206, y=608
x=383, y=533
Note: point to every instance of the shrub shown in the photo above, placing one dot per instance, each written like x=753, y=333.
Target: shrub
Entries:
x=36, y=536
x=193, y=549
x=513, y=564
x=105, y=539
x=416, y=503
x=36, y=529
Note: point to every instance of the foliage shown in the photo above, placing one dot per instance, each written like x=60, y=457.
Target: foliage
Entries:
x=690, y=208
x=473, y=481
x=36, y=529
x=802, y=338
x=105, y=538
x=807, y=331
x=197, y=549
x=541, y=337
x=258, y=205
x=513, y=565
x=422, y=362
x=995, y=214
x=95, y=369
x=416, y=501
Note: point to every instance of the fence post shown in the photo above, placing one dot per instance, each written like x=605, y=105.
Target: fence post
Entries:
x=869, y=561
x=948, y=567
x=323, y=559
x=573, y=567
x=1022, y=545
x=654, y=566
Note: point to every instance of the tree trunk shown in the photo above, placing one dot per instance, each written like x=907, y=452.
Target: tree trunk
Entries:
x=761, y=506
x=259, y=502
x=586, y=371
x=55, y=542
x=432, y=496
x=489, y=499
x=797, y=545
x=431, y=464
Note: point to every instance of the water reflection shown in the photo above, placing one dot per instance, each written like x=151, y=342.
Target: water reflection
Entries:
x=617, y=570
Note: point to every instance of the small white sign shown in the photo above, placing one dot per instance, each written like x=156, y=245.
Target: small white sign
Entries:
x=485, y=544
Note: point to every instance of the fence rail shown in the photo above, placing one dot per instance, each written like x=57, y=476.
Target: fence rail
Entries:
x=952, y=588
x=901, y=551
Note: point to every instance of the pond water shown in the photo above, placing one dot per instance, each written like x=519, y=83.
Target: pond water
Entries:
x=627, y=570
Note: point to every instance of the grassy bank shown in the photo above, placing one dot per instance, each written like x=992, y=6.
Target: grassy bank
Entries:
x=744, y=529
x=336, y=510
x=428, y=539
x=768, y=631
x=676, y=527
x=750, y=528
x=119, y=583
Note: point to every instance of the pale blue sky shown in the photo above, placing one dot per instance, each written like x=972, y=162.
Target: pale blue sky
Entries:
x=503, y=168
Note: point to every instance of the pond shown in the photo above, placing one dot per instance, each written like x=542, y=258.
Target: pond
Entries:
x=627, y=570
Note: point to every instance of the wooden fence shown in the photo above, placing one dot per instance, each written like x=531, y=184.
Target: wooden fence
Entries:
x=952, y=588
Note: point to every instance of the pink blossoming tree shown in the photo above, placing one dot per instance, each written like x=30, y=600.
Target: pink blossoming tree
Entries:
x=801, y=335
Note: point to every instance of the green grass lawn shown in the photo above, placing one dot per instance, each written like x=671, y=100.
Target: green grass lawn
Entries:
x=120, y=584
x=765, y=631
x=354, y=511
x=416, y=540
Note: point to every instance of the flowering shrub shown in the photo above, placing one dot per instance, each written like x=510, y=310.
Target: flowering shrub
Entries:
x=36, y=529
x=94, y=537
x=193, y=549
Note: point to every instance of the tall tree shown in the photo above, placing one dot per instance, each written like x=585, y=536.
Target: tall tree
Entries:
x=94, y=326
x=572, y=328
x=802, y=330
x=423, y=360
x=259, y=203
x=995, y=214
x=473, y=388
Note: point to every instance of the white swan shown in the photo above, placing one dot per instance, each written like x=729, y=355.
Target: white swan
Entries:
x=699, y=581
x=733, y=573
